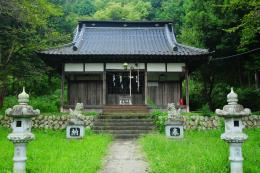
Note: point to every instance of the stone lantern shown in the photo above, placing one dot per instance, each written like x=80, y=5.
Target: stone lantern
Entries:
x=233, y=113
x=21, y=134
x=174, y=125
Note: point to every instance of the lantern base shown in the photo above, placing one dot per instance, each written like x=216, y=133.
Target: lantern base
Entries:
x=236, y=158
x=174, y=129
x=19, y=158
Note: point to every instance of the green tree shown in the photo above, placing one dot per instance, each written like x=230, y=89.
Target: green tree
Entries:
x=134, y=10
x=24, y=30
x=171, y=10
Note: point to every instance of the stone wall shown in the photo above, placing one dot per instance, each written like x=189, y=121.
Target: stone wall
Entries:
x=190, y=122
x=48, y=122
x=207, y=123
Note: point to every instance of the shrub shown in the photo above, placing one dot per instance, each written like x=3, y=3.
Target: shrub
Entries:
x=205, y=111
x=90, y=113
x=195, y=94
x=249, y=97
x=159, y=118
x=151, y=104
x=8, y=103
x=219, y=95
x=256, y=113
x=45, y=104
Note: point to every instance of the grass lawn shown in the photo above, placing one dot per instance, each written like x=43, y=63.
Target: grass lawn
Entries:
x=199, y=152
x=51, y=152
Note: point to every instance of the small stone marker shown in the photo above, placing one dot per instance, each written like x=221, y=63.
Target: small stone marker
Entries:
x=75, y=128
x=125, y=100
x=174, y=124
x=21, y=133
x=233, y=113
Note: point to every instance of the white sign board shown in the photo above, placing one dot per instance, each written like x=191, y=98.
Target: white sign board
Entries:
x=74, y=67
x=89, y=67
x=175, y=67
x=119, y=66
x=156, y=67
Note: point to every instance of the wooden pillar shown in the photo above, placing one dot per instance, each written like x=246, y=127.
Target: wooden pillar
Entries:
x=187, y=91
x=62, y=88
x=104, y=85
x=145, y=85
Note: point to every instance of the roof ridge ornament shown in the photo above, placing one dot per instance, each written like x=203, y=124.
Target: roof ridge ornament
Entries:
x=170, y=38
x=79, y=39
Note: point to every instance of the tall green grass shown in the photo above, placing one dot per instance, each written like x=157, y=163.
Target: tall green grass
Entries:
x=51, y=152
x=198, y=152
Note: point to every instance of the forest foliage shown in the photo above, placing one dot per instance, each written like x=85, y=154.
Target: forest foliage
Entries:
x=224, y=26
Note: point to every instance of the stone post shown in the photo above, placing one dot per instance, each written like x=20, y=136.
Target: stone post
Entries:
x=174, y=125
x=75, y=128
x=233, y=135
x=21, y=133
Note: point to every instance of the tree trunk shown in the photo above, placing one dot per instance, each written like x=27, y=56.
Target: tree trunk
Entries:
x=208, y=88
x=256, y=80
x=50, y=81
x=2, y=96
x=211, y=86
x=240, y=75
x=249, y=79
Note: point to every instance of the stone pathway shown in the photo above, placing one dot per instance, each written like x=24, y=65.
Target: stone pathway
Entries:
x=125, y=157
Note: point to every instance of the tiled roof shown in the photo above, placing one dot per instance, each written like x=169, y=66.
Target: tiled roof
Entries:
x=139, y=39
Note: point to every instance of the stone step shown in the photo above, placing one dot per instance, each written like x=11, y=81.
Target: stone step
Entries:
x=127, y=136
x=125, y=109
x=123, y=128
x=124, y=120
x=123, y=124
x=120, y=116
x=125, y=114
x=123, y=131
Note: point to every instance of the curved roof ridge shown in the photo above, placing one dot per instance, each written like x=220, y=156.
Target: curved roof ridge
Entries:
x=194, y=48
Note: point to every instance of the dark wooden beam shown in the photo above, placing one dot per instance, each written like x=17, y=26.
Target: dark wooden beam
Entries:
x=104, y=85
x=62, y=88
x=187, y=91
x=145, y=86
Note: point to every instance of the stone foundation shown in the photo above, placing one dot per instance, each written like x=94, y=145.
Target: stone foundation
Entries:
x=214, y=122
x=190, y=122
x=48, y=122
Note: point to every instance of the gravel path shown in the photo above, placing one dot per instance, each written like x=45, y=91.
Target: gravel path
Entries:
x=125, y=157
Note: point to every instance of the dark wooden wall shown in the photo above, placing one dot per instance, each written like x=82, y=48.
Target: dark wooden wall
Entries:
x=90, y=93
x=87, y=92
x=164, y=93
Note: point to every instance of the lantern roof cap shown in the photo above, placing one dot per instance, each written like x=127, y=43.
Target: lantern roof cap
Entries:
x=22, y=110
x=23, y=98
x=232, y=97
x=233, y=109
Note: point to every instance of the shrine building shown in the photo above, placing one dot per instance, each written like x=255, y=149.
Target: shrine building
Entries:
x=124, y=63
